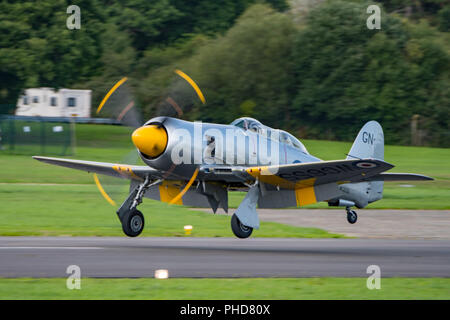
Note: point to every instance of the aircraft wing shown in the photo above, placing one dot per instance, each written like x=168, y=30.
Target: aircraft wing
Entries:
x=398, y=177
x=111, y=169
x=301, y=175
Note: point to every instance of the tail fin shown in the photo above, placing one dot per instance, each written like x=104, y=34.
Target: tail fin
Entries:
x=369, y=143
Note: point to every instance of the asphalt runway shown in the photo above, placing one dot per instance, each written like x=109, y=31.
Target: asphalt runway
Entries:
x=372, y=223
x=222, y=257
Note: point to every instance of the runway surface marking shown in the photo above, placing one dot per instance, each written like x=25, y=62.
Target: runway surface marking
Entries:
x=53, y=248
x=44, y=184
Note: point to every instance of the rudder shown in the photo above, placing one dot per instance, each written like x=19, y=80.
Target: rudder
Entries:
x=369, y=143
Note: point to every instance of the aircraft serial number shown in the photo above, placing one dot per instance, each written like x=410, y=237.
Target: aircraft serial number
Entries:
x=321, y=172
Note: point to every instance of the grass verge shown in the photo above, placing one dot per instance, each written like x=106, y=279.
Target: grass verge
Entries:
x=227, y=289
x=113, y=144
x=68, y=209
x=79, y=210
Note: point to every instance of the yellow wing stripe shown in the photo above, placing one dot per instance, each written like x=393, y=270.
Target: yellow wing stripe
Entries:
x=126, y=172
x=168, y=192
x=304, y=189
x=263, y=174
x=305, y=196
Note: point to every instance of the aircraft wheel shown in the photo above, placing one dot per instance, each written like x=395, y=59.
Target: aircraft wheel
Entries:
x=240, y=230
x=133, y=223
x=352, y=216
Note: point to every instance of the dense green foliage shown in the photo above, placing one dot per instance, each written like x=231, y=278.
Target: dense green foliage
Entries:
x=36, y=49
x=347, y=74
x=328, y=76
x=320, y=74
x=433, y=10
x=253, y=79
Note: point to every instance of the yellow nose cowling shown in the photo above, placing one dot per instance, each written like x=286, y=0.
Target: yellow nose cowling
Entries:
x=151, y=140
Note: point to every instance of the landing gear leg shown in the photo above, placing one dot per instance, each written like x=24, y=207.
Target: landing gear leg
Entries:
x=351, y=216
x=132, y=219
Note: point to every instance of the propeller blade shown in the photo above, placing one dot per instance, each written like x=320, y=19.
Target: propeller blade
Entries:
x=119, y=103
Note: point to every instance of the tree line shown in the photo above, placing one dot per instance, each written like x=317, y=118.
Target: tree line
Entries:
x=320, y=73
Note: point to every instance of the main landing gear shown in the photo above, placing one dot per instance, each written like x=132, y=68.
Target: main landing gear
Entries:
x=351, y=216
x=131, y=218
x=240, y=230
x=133, y=223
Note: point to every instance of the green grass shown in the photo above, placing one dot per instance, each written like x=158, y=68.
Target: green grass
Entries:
x=226, y=289
x=94, y=142
x=103, y=136
x=79, y=210
x=423, y=195
x=74, y=207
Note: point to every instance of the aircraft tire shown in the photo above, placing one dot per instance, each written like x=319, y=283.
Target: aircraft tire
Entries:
x=352, y=217
x=240, y=230
x=133, y=223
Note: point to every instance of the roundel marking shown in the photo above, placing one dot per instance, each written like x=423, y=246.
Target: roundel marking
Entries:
x=366, y=165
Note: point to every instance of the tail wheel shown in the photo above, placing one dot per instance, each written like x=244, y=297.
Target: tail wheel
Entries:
x=240, y=230
x=352, y=216
x=133, y=223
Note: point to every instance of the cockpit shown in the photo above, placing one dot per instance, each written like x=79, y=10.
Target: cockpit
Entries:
x=247, y=123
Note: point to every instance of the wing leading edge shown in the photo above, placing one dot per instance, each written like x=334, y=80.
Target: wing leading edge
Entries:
x=111, y=169
x=399, y=177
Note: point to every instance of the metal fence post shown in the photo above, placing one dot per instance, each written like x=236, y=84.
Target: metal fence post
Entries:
x=42, y=137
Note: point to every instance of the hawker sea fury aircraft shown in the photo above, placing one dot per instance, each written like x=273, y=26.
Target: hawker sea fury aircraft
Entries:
x=196, y=164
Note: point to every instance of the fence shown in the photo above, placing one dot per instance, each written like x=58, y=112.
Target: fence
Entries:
x=36, y=135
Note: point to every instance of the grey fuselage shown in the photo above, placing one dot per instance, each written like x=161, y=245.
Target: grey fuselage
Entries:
x=194, y=145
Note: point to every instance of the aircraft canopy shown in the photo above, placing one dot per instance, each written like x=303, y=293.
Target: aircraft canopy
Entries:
x=247, y=123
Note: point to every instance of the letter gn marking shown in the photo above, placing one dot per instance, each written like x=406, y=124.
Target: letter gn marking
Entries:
x=368, y=137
